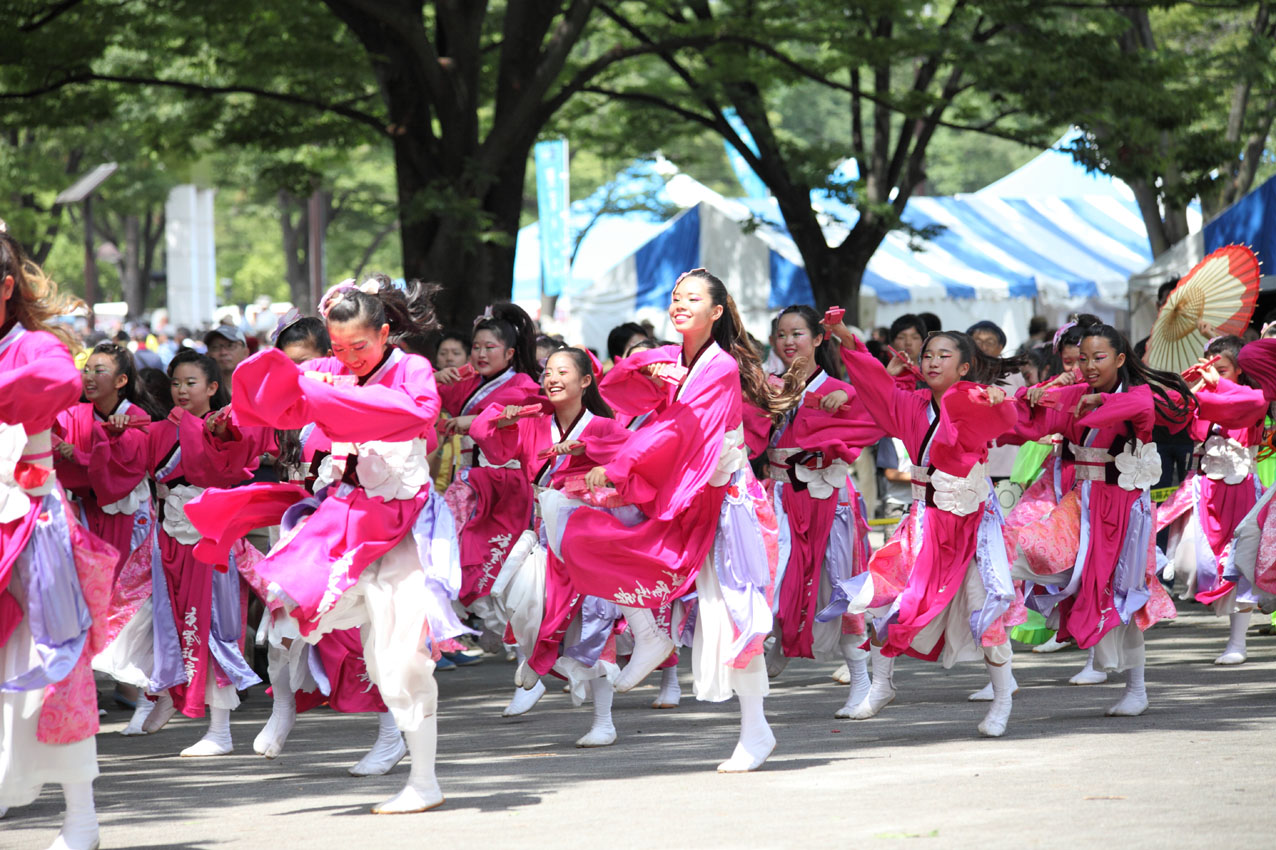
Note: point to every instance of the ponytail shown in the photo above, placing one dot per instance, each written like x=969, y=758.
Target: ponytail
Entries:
x=984, y=368
x=409, y=312
x=516, y=330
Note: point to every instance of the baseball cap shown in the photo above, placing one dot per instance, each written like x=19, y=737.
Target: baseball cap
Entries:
x=227, y=332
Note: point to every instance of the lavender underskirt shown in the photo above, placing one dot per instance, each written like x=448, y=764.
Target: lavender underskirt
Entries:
x=1245, y=590
x=225, y=628
x=169, y=670
x=597, y=619
x=1129, y=580
x=848, y=591
x=56, y=611
x=739, y=556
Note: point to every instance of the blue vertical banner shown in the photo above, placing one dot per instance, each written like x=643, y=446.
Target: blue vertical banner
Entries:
x=749, y=180
x=552, y=205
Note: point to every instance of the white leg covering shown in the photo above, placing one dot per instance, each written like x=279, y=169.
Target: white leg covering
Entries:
x=842, y=675
x=651, y=647
x=1234, y=652
x=756, y=739
x=79, y=826
x=1089, y=675
x=882, y=691
x=422, y=791
x=161, y=713
x=1052, y=645
x=603, y=732
x=670, y=691
x=1135, y=699
x=776, y=660
x=523, y=700
x=857, y=672
x=1003, y=688
x=143, y=710
x=216, y=741
x=283, y=714
x=388, y=750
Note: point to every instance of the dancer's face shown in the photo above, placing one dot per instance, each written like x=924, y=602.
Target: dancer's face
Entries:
x=358, y=345
x=488, y=354
x=101, y=379
x=941, y=363
x=793, y=339
x=1227, y=368
x=563, y=381
x=1100, y=363
x=1070, y=354
x=192, y=391
x=302, y=351
x=692, y=309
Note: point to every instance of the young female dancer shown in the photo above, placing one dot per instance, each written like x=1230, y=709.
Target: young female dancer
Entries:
x=942, y=584
x=343, y=681
x=378, y=553
x=492, y=504
x=823, y=534
x=54, y=576
x=1254, y=544
x=1221, y=489
x=1096, y=572
x=198, y=609
x=102, y=460
x=708, y=521
x=560, y=630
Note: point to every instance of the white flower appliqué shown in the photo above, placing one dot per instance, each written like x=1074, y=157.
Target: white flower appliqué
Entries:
x=961, y=496
x=1225, y=459
x=823, y=483
x=14, y=502
x=393, y=470
x=1139, y=466
x=176, y=524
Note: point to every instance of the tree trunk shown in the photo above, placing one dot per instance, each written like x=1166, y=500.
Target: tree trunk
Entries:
x=134, y=291
x=294, y=224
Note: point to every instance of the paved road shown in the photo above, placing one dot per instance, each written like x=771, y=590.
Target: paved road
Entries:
x=1189, y=773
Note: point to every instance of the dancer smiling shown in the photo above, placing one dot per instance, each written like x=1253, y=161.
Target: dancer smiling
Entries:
x=378, y=553
x=708, y=520
x=562, y=630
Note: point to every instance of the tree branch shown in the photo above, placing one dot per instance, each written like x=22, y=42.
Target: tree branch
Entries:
x=52, y=14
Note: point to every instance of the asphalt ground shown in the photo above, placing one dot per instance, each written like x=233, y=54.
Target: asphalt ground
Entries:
x=1189, y=773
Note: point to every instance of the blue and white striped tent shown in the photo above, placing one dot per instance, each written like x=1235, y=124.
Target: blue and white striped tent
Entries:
x=997, y=256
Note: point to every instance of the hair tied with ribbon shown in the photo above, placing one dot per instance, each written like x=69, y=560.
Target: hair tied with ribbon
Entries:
x=333, y=295
x=287, y=320
x=1058, y=335
x=688, y=273
x=487, y=314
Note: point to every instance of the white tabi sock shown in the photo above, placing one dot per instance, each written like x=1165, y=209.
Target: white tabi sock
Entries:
x=140, y=713
x=857, y=672
x=1234, y=652
x=670, y=691
x=216, y=741
x=79, y=826
x=882, y=692
x=1003, y=688
x=603, y=732
x=1089, y=675
x=1135, y=699
x=283, y=714
x=161, y=713
x=756, y=739
x=388, y=750
x=422, y=791
x=652, y=646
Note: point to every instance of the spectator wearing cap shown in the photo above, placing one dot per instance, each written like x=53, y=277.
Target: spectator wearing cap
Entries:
x=227, y=345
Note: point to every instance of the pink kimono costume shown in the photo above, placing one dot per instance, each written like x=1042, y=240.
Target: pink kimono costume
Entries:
x=198, y=608
x=708, y=520
x=824, y=547
x=378, y=553
x=108, y=474
x=1254, y=548
x=942, y=587
x=563, y=619
x=1220, y=490
x=1100, y=588
x=55, y=581
x=491, y=503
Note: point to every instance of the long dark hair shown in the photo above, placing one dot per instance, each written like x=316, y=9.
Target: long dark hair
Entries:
x=408, y=311
x=133, y=391
x=511, y=324
x=211, y=371
x=307, y=329
x=158, y=389
x=1134, y=372
x=984, y=369
x=1230, y=346
x=824, y=356
x=620, y=335
x=729, y=333
x=591, y=398
x=35, y=299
